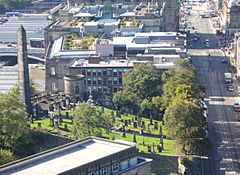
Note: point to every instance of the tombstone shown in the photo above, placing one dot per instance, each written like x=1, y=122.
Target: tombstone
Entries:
x=102, y=110
x=114, y=120
x=39, y=125
x=149, y=149
x=161, y=143
x=143, y=124
x=163, y=122
x=160, y=131
x=124, y=134
x=134, y=138
x=108, y=131
x=149, y=130
x=151, y=120
x=141, y=132
x=143, y=141
x=67, y=115
x=135, y=125
x=56, y=124
x=60, y=120
x=156, y=125
x=67, y=102
x=136, y=118
x=139, y=121
x=35, y=113
x=63, y=103
x=65, y=127
x=112, y=113
x=31, y=118
x=125, y=123
x=71, y=120
x=153, y=147
x=129, y=122
x=51, y=122
x=50, y=107
x=159, y=148
x=113, y=137
x=133, y=120
x=117, y=113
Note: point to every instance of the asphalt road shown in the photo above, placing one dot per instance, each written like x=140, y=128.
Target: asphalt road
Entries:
x=224, y=129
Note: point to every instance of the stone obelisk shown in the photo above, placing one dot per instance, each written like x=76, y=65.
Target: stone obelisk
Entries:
x=23, y=70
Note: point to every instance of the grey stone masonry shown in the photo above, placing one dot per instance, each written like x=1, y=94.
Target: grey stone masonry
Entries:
x=23, y=70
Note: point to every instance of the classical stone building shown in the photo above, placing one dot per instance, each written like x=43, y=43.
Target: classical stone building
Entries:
x=89, y=156
x=230, y=17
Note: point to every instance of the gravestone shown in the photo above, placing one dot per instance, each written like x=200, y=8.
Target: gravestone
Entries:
x=141, y=132
x=159, y=148
x=39, y=125
x=136, y=118
x=108, y=131
x=143, y=141
x=153, y=147
x=149, y=149
x=112, y=113
x=134, y=138
x=31, y=118
x=60, y=120
x=67, y=115
x=143, y=124
x=56, y=124
x=124, y=134
x=135, y=125
x=71, y=120
x=133, y=119
x=114, y=120
x=149, y=130
x=139, y=121
x=156, y=125
x=113, y=137
x=51, y=122
x=65, y=127
x=151, y=120
x=125, y=123
x=102, y=110
x=129, y=122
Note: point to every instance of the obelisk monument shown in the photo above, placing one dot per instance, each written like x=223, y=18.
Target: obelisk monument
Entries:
x=23, y=70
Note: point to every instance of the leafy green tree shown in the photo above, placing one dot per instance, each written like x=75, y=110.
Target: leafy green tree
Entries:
x=88, y=121
x=6, y=156
x=183, y=74
x=14, y=90
x=13, y=124
x=143, y=81
x=185, y=121
x=122, y=99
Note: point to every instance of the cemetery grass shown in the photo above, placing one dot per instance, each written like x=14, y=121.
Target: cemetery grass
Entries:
x=169, y=145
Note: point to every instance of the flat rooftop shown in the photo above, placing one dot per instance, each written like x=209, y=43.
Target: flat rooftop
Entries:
x=67, y=157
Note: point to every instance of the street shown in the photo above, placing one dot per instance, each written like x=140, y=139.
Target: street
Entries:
x=224, y=128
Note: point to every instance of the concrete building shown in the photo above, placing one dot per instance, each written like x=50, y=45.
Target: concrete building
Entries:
x=90, y=156
x=104, y=47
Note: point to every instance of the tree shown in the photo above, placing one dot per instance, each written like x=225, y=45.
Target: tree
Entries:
x=185, y=122
x=122, y=99
x=88, y=121
x=6, y=156
x=143, y=81
x=14, y=90
x=183, y=74
x=13, y=124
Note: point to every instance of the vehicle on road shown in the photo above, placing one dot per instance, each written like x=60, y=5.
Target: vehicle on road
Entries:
x=230, y=87
x=207, y=44
x=236, y=107
x=228, y=77
x=224, y=61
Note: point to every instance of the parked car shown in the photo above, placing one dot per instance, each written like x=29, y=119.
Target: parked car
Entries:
x=224, y=61
x=236, y=107
x=230, y=87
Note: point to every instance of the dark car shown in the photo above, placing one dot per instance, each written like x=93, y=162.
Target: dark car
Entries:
x=224, y=61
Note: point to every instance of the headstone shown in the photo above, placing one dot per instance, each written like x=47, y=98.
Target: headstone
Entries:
x=56, y=124
x=129, y=122
x=163, y=122
x=159, y=148
x=143, y=124
x=125, y=123
x=134, y=138
x=114, y=120
x=135, y=125
x=160, y=131
x=102, y=110
x=50, y=107
x=124, y=134
x=153, y=147
x=149, y=130
x=31, y=118
x=133, y=119
x=141, y=132
x=65, y=127
x=112, y=113
x=136, y=118
x=51, y=122
x=151, y=120
x=71, y=120
x=113, y=137
x=149, y=149
x=67, y=115
x=67, y=103
x=108, y=131
x=60, y=120
x=143, y=141
x=139, y=121
x=156, y=125
x=39, y=125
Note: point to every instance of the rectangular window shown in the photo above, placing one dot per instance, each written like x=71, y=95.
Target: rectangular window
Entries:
x=84, y=72
x=115, y=89
x=115, y=167
x=109, y=72
x=89, y=81
x=92, y=173
x=53, y=71
x=103, y=171
x=120, y=81
x=88, y=72
x=99, y=73
x=99, y=89
x=94, y=81
x=94, y=72
x=99, y=81
x=109, y=80
x=115, y=71
x=54, y=86
x=104, y=73
x=115, y=80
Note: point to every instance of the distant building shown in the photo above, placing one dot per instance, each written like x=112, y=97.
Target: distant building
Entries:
x=90, y=156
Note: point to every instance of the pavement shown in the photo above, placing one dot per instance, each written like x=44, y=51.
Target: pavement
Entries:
x=224, y=129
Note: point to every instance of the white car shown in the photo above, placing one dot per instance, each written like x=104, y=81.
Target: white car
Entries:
x=230, y=87
x=207, y=44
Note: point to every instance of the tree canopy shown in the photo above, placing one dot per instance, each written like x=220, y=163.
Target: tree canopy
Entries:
x=8, y=5
x=88, y=121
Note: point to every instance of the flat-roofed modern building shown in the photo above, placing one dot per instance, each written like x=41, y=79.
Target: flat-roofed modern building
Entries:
x=90, y=156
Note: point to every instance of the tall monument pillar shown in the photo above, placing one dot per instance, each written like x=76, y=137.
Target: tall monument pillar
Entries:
x=23, y=70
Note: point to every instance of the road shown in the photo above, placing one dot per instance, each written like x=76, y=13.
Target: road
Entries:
x=224, y=129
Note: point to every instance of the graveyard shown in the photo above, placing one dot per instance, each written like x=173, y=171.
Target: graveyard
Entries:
x=150, y=135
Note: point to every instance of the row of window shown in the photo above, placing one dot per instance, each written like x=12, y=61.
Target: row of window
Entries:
x=105, y=81
x=103, y=171
x=103, y=72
